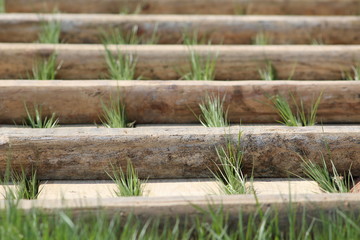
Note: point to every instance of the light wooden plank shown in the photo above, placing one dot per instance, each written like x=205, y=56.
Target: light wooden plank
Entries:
x=181, y=187
x=76, y=189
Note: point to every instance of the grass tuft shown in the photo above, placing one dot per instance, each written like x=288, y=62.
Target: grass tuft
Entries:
x=213, y=224
x=298, y=118
x=26, y=187
x=2, y=6
x=201, y=70
x=261, y=39
x=37, y=121
x=114, y=114
x=191, y=39
x=329, y=182
x=120, y=67
x=355, y=75
x=212, y=112
x=118, y=36
x=128, y=183
x=50, y=32
x=45, y=69
x=229, y=173
x=268, y=73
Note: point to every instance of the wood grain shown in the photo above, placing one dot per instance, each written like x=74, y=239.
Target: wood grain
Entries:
x=171, y=62
x=269, y=7
x=175, y=101
x=87, y=28
x=87, y=153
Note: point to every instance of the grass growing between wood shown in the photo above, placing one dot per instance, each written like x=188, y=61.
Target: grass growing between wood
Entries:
x=299, y=117
x=2, y=6
x=133, y=37
x=36, y=120
x=191, y=39
x=261, y=39
x=127, y=182
x=114, y=114
x=355, y=75
x=268, y=73
x=50, y=32
x=25, y=186
x=201, y=69
x=329, y=182
x=212, y=112
x=45, y=69
x=229, y=170
x=120, y=67
x=212, y=224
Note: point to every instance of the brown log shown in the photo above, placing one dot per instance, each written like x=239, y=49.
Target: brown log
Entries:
x=175, y=101
x=170, y=28
x=168, y=62
x=88, y=153
x=269, y=7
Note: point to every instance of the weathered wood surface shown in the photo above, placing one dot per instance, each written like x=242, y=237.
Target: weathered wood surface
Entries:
x=166, y=62
x=175, y=101
x=84, y=28
x=176, y=152
x=291, y=7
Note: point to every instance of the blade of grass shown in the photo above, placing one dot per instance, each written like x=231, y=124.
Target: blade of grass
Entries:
x=355, y=75
x=118, y=36
x=212, y=112
x=127, y=183
x=268, y=73
x=229, y=170
x=261, y=39
x=50, y=32
x=36, y=120
x=200, y=69
x=2, y=6
x=45, y=69
x=114, y=114
x=120, y=67
x=330, y=183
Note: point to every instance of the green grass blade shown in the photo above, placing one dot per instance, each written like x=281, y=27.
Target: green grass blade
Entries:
x=50, y=32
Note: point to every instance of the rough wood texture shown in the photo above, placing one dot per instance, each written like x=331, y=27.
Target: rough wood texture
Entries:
x=177, y=152
x=170, y=28
x=172, y=61
x=291, y=7
x=174, y=101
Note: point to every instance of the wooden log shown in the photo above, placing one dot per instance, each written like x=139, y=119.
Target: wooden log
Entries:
x=172, y=61
x=170, y=29
x=267, y=7
x=87, y=153
x=175, y=101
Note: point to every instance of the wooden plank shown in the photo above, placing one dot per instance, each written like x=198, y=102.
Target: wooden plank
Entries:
x=271, y=7
x=181, y=187
x=284, y=186
x=86, y=28
x=76, y=190
x=172, y=61
x=6, y=189
x=174, y=101
x=269, y=151
x=145, y=208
